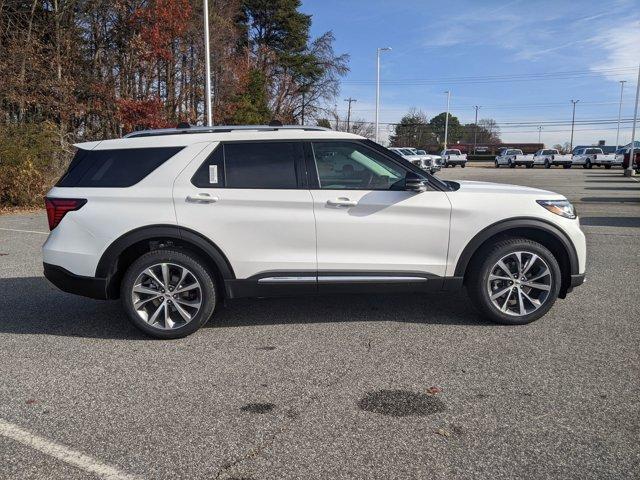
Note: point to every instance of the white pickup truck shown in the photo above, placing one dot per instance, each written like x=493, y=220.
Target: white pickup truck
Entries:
x=590, y=156
x=512, y=157
x=551, y=156
x=421, y=160
x=453, y=157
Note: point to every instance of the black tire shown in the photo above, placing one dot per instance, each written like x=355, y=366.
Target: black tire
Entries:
x=566, y=166
x=529, y=165
x=588, y=164
x=547, y=164
x=511, y=164
x=184, y=259
x=607, y=167
x=462, y=165
x=481, y=266
x=446, y=165
x=497, y=165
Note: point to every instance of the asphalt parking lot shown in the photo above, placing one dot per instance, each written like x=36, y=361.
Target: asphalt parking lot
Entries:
x=332, y=387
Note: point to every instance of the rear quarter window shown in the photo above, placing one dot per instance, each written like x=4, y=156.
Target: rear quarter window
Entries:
x=114, y=168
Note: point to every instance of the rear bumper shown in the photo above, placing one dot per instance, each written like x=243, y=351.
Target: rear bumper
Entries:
x=79, y=285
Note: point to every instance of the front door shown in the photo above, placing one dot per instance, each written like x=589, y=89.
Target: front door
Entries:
x=367, y=222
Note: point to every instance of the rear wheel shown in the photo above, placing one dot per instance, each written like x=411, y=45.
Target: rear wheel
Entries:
x=514, y=282
x=168, y=293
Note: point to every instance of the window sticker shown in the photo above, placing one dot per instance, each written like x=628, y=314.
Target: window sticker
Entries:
x=213, y=174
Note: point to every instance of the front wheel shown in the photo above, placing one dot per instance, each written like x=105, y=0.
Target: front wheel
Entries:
x=462, y=165
x=547, y=164
x=168, y=293
x=514, y=282
x=511, y=164
x=497, y=165
x=588, y=164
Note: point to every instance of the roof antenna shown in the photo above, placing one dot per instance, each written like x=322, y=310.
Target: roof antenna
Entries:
x=182, y=125
x=275, y=123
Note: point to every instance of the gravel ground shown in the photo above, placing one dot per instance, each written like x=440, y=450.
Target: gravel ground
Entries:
x=407, y=386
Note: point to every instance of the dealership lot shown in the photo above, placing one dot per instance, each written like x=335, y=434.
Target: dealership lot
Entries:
x=332, y=387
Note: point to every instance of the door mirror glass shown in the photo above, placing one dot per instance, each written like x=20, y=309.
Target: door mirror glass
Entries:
x=414, y=183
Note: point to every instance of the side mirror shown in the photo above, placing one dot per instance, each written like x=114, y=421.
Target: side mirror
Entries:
x=413, y=182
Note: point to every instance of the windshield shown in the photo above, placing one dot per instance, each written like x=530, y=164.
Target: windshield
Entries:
x=421, y=152
x=406, y=151
x=594, y=150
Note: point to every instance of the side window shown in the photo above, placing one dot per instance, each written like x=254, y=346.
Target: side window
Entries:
x=211, y=172
x=114, y=168
x=351, y=166
x=263, y=164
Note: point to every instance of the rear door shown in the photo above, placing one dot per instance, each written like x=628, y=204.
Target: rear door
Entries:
x=367, y=222
x=250, y=199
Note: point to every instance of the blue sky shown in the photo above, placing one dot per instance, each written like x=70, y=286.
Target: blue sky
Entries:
x=456, y=45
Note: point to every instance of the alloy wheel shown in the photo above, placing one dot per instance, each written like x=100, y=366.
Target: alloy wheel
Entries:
x=519, y=283
x=167, y=296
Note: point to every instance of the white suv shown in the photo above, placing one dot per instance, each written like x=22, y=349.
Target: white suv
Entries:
x=176, y=221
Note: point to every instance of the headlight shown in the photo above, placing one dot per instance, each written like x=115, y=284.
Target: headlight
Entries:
x=559, y=207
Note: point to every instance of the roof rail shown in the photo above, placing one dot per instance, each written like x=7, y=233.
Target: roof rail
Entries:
x=220, y=129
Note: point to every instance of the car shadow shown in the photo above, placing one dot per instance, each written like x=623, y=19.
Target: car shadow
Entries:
x=616, y=189
x=633, y=222
x=610, y=200
x=32, y=306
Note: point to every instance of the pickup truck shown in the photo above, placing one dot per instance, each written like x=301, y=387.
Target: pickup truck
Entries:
x=423, y=161
x=551, y=156
x=453, y=157
x=622, y=157
x=513, y=157
x=590, y=156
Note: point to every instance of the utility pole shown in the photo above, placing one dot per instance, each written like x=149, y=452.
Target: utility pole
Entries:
x=475, y=130
x=573, y=121
x=378, y=50
x=622, y=82
x=629, y=171
x=539, y=132
x=207, y=63
x=446, y=120
x=350, y=100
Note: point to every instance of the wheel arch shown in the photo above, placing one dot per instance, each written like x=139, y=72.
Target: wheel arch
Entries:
x=126, y=248
x=535, y=229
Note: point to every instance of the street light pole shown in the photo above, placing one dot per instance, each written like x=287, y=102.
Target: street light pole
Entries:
x=622, y=82
x=475, y=130
x=350, y=100
x=573, y=121
x=539, y=132
x=629, y=170
x=446, y=120
x=378, y=50
x=207, y=64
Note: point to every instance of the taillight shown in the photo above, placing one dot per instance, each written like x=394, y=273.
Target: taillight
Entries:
x=57, y=208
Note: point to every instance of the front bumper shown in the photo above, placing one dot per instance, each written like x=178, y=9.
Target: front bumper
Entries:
x=79, y=285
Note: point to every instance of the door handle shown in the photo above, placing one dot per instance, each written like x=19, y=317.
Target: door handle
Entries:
x=202, y=198
x=342, y=202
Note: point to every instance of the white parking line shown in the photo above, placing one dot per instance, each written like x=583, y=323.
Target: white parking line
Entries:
x=65, y=454
x=23, y=231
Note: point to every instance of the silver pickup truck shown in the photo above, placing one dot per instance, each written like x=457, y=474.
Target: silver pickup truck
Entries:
x=551, y=156
x=453, y=157
x=590, y=156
